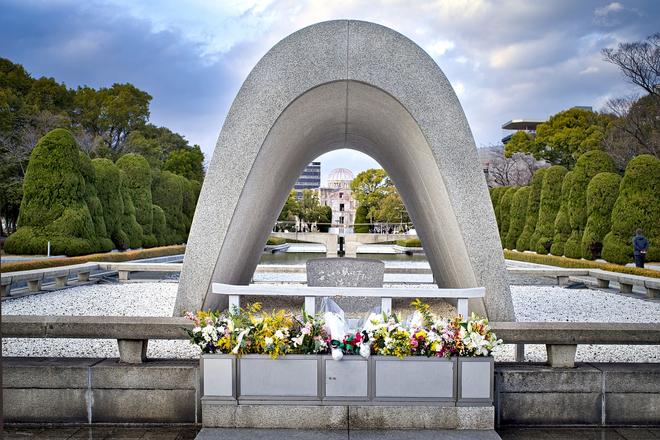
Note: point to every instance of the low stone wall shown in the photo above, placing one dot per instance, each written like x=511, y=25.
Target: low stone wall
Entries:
x=597, y=394
x=69, y=390
x=83, y=391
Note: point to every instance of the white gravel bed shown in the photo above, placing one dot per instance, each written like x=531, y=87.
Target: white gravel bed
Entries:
x=532, y=303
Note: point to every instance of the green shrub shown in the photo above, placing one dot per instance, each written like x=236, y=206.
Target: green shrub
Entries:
x=108, y=188
x=409, y=242
x=275, y=241
x=160, y=224
x=541, y=240
x=137, y=180
x=517, y=216
x=504, y=210
x=191, y=190
x=361, y=220
x=562, y=221
x=167, y=190
x=602, y=192
x=587, y=166
x=129, y=224
x=103, y=242
x=524, y=241
x=496, y=198
x=54, y=206
x=638, y=206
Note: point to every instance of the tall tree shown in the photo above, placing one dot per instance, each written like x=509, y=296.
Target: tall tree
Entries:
x=639, y=62
x=563, y=138
x=369, y=188
x=186, y=162
x=112, y=113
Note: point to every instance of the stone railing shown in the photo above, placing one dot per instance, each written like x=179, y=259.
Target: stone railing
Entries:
x=562, y=338
x=35, y=277
x=133, y=333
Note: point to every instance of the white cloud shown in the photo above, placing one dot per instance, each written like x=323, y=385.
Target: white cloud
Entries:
x=439, y=47
x=606, y=10
x=589, y=70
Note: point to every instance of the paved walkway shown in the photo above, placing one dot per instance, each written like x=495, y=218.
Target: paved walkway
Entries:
x=189, y=433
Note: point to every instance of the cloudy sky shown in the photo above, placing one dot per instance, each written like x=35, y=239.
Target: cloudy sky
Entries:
x=506, y=59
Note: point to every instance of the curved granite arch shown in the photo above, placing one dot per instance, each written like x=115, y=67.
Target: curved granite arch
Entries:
x=346, y=84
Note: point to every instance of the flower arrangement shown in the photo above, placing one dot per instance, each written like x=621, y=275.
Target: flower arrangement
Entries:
x=249, y=330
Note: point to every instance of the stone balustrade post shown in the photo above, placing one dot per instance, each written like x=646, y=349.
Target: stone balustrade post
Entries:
x=561, y=355
x=132, y=351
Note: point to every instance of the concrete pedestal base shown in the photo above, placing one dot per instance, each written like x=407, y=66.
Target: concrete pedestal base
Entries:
x=360, y=417
x=286, y=434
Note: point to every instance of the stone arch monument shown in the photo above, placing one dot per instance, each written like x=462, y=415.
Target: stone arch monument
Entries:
x=346, y=84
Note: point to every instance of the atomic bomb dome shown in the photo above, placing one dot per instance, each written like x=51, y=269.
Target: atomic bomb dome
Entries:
x=340, y=178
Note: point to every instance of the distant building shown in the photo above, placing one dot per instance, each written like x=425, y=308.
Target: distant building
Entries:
x=310, y=178
x=527, y=125
x=338, y=196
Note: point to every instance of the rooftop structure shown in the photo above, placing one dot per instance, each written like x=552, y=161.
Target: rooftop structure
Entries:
x=515, y=125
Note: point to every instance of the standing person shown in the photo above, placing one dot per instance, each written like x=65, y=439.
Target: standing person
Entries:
x=640, y=246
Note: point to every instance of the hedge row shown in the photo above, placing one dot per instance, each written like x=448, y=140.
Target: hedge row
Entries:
x=590, y=212
x=552, y=260
x=409, y=242
x=82, y=206
x=108, y=257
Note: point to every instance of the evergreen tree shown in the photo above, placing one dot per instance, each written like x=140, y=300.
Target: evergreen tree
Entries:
x=602, y=192
x=54, y=206
x=542, y=238
x=505, y=213
x=588, y=165
x=524, y=241
x=562, y=221
x=518, y=215
x=108, y=186
x=637, y=207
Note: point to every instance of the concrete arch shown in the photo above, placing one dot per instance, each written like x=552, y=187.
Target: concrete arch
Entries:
x=346, y=84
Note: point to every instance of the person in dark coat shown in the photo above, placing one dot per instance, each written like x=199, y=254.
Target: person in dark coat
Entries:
x=640, y=246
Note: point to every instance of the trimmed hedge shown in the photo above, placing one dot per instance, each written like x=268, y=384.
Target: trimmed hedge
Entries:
x=504, y=209
x=553, y=260
x=108, y=187
x=587, y=166
x=54, y=206
x=275, y=241
x=517, y=216
x=409, y=242
x=103, y=242
x=602, y=192
x=110, y=256
x=129, y=223
x=533, y=202
x=167, y=191
x=638, y=206
x=562, y=221
x=496, y=198
x=159, y=225
x=137, y=180
x=541, y=240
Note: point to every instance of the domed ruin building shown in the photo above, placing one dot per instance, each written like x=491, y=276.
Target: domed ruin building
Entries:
x=338, y=196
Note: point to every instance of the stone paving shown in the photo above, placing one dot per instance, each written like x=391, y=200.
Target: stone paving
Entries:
x=189, y=433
